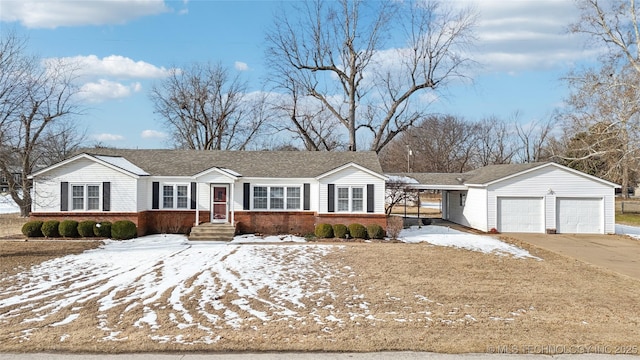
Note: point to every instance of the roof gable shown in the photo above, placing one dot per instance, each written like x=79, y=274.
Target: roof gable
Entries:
x=116, y=163
x=493, y=174
x=346, y=166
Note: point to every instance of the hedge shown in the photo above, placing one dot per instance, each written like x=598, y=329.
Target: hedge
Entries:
x=32, y=229
x=85, y=228
x=340, y=231
x=68, y=228
x=102, y=229
x=123, y=230
x=324, y=231
x=50, y=228
x=358, y=231
x=375, y=231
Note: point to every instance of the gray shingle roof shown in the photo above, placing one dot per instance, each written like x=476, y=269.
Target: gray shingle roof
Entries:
x=283, y=164
x=482, y=175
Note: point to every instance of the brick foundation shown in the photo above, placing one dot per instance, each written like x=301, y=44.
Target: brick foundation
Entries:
x=301, y=223
x=272, y=222
x=247, y=222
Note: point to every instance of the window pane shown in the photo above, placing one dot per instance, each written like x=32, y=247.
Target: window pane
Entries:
x=182, y=197
x=277, y=198
x=357, y=197
x=167, y=196
x=260, y=197
x=93, y=197
x=293, y=198
x=77, y=194
x=343, y=199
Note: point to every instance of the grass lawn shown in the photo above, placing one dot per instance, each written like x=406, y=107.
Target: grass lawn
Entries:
x=11, y=225
x=346, y=297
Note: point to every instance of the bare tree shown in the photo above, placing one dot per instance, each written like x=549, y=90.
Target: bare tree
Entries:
x=604, y=112
x=533, y=140
x=33, y=98
x=304, y=121
x=495, y=144
x=397, y=190
x=614, y=24
x=441, y=143
x=333, y=51
x=207, y=109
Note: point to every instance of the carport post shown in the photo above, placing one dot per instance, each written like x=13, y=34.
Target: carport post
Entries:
x=419, y=204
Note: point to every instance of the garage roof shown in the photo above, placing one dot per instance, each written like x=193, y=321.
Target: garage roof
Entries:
x=481, y=176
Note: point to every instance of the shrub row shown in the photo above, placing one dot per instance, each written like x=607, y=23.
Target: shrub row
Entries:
x=120, y=230
x=358, y=231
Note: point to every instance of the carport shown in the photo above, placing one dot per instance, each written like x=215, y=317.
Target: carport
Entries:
x=523, y=198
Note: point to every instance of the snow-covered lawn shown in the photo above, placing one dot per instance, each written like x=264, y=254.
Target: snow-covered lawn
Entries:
x=445, y=236
x=162, y=285
x=159, y=278
x=7, y=205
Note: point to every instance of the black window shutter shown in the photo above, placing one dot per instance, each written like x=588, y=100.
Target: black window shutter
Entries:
x=155, y=195
x=106, y=196
x=370, y=198
x=331, y=195
x=306, y=190
x=64, y=196
x=193, y=195
x=246, y=196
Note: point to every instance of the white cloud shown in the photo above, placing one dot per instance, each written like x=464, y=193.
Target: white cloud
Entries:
x=56, y=13
x=523, y=35
x=241, y=66
x=153, y=134
x=106, y=90
x=107, y=137
x=113, y=65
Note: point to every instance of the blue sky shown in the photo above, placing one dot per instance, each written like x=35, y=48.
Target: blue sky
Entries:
x=126, y=46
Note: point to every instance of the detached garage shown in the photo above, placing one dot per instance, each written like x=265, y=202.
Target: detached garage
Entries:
x=532, y=198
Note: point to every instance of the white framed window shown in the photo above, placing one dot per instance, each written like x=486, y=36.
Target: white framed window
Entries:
x=175, y=196
x=85, y=197
x=350, y=198
x=260, y=197
x=277, y=197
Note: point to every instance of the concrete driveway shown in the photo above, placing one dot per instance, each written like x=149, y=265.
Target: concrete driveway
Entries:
x=614, y=252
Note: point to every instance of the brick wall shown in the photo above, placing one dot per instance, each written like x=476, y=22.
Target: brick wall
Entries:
x=275, y=222
x=298, y=222
x=346, y=219
x=264, y=222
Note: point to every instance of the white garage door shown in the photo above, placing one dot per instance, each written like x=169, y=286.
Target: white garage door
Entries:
x=579, y=215
x=520, y=214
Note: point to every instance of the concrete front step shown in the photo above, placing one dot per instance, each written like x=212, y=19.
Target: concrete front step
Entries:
x=216, y=232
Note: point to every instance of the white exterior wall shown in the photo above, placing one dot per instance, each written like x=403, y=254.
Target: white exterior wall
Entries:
x=550, y=183
x=473, y=213
x=353, y=176
x=124, y=188
x=144, y=193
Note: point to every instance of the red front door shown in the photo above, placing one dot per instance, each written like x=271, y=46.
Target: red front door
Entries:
x=220, y=204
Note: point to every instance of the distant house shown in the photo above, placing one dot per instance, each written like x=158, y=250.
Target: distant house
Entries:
x=534, y=198
x=4, y=181
x=255, y=191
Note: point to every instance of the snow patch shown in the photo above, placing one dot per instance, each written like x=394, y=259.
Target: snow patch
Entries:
x=445, y=236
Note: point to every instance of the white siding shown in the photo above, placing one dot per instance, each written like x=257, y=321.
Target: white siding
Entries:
x=473, y=212
x=551, y=182
x=84, y=171
x=352, y=176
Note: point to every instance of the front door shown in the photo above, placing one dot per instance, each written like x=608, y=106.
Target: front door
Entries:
x=220, y=203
